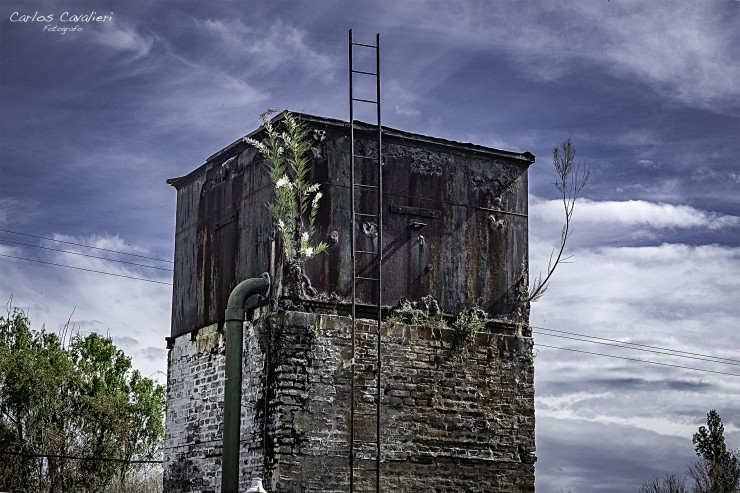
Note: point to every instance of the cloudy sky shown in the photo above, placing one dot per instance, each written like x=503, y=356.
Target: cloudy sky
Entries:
x=93, y=121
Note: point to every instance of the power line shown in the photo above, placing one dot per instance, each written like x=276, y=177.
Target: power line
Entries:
x=618, y=344
x=74, y=457
x=84, y=255
x=87, y=270
x=579, y=337
x=638, y=360
x=718, y=358
x=86, y=246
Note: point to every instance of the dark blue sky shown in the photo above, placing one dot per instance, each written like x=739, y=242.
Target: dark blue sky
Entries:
x=93, y=122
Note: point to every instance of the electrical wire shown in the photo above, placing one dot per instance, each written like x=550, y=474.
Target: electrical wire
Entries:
x=639, y=360
x=720, y=359
x=86, y=246
x=84, y=255
x=626, y=345
x=86, y=270
x=558, y=333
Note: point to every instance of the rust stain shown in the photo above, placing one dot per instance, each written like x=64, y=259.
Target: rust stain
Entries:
x=457, y=230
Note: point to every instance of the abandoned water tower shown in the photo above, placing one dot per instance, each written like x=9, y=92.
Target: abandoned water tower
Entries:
x=417, y=378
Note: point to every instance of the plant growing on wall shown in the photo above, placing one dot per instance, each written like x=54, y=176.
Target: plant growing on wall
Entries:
x=467, y=325
x=296, y=200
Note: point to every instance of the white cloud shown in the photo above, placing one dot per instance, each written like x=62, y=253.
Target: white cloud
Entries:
x=101, y=242
x=667, y=295
x=268, y=48
x=207, y=98
x=17, y=212
x=406, y=111
x=673, y=297
x=683, y=50
x=122, y=37
x=710, y=174
x=576, y=448
x=135, y=313
x=633, y=213
x=219, y=94
x=686, y=52
x=407, y=105
x=648, y=163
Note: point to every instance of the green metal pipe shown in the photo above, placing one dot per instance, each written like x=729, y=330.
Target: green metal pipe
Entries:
x=234, y=330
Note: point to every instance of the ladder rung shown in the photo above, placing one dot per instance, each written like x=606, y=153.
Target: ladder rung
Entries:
x=365, y=390
x=369, y=384
x=365, y=45
x=366, y=455
x=365, y=442
x=367, y=252
x=372, y=385
x=372, y=187
x=365, y=100
x=365, y=215
x=367, y=278
x=366, y=157
x=363, y=72
x=365, y=414
x=367, y=463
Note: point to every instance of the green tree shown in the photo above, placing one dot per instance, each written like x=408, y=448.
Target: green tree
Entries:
x=34, y=381
x=710, y=439
x=142, y=438
x=59, y=404
x=716, y=471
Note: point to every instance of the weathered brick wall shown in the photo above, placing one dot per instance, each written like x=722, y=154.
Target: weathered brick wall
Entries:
x=194, y=419
x=195, y=371
x=454, y=418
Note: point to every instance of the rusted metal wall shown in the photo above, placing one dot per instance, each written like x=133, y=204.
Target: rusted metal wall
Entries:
x=455, y=224
x=222, y=236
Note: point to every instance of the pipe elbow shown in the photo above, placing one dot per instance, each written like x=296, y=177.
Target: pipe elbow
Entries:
x=242, y=291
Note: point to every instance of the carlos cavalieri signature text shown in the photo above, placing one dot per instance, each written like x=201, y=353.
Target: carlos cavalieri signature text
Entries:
x=66, y=18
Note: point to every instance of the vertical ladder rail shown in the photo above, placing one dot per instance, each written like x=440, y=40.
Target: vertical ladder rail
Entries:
x=378, y=260
x=380, y=263
x=354, y=272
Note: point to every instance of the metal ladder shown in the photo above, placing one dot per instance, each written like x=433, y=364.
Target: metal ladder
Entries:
x=365, y=453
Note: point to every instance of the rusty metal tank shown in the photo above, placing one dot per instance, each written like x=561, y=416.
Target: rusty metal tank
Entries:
x=454, y=224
